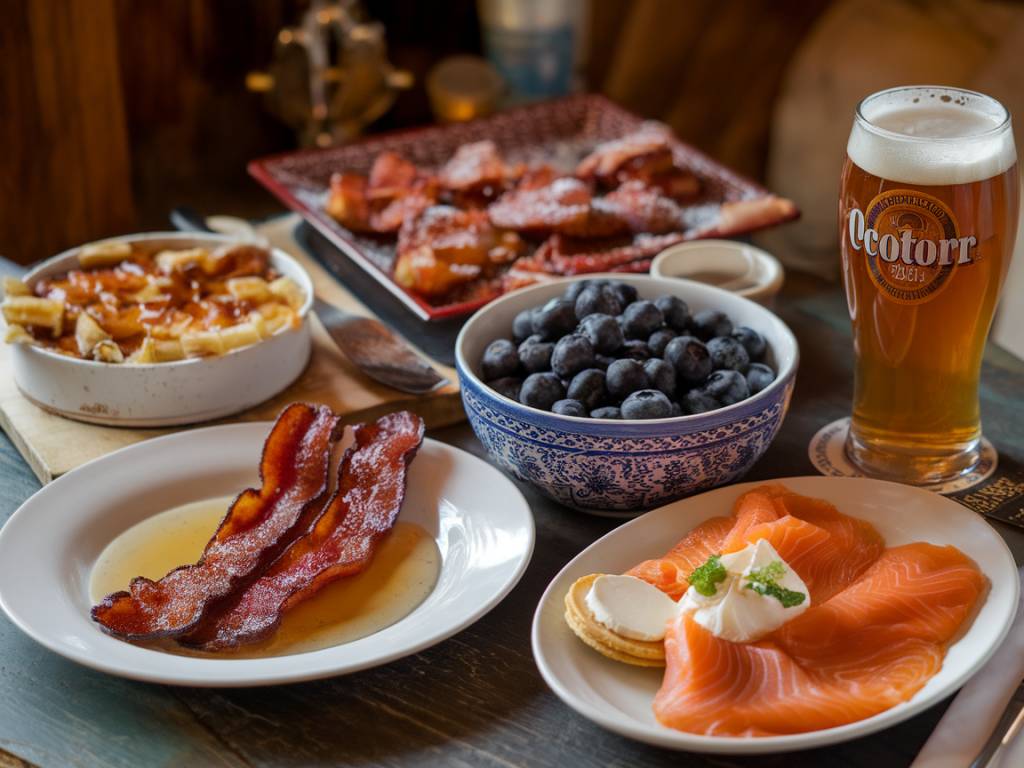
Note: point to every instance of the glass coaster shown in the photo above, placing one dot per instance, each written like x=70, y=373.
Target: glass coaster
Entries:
x=827, y=453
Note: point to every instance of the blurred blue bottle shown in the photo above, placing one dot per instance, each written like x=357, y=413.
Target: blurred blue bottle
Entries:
x=536, y=45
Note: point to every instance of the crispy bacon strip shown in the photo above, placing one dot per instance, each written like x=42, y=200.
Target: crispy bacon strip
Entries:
x=259, y=525
x=371, y=487
x=569, y=256
x=745, y=215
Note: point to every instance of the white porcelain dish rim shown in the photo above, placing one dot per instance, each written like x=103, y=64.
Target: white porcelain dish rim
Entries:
x=774, y=271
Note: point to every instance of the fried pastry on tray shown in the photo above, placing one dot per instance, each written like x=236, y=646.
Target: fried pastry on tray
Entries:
x=257, y=528
x=553, y=207
x=446, y=247
x=395, y=191
x=645, y=155
x=566, y=205
x=391, y=176
x=348, y=203
x=477, y=173
x=342, y=541
x=643, y=208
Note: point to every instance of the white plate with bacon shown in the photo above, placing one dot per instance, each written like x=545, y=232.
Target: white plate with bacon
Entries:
x=356, y=547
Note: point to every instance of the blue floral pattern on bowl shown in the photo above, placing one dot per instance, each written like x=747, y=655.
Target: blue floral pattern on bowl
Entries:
x=624, y=466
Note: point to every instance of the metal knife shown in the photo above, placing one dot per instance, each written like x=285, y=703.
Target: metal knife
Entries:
x=369, y=345
x=1009, y=727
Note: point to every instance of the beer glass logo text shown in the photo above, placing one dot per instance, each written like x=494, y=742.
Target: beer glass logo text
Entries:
x=911, y=243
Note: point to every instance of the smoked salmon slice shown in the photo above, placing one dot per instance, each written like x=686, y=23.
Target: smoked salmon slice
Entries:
x=877, y=630
x=826, y=548
x=670, y=573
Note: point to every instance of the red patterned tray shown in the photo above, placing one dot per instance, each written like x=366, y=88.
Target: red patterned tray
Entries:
x=558, y=133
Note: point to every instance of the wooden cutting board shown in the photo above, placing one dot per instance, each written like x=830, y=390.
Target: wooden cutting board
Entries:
x=53, y=445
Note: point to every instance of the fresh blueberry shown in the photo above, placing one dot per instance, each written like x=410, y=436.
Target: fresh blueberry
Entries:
x=625, y=377
x=535, y=354
x=727, y=386
x=555, y=319
x=698, y=401
x=627, y=293
x=522, y=326
x=608, y=412
x=709, y=323
x=759, y=376
x=572, y=354
x=597, y=299
x=751, y=340
x=588, y=387
x=500, y=359
x=659, y=340
x=541, y=390
x=640, y=319
x=603, y=361
x=569, y=407
x=690, y=358
x=647, y=404
x=677, y=314
x=677, y=410
x=508, y=386
x=662, y=376
x=575, y=288
x=603, y=332
x=726, y=352
x=636, y=349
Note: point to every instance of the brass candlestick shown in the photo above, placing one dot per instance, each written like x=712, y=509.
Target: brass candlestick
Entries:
x=330, y=76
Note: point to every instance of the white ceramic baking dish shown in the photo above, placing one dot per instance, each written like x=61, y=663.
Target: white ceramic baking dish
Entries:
x=164, y=394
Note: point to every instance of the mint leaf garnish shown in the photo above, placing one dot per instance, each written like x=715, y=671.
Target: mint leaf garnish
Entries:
x=764, y=581
x=706, y=578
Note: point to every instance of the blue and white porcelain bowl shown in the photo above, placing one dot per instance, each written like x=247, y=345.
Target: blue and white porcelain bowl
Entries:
x=623, y=467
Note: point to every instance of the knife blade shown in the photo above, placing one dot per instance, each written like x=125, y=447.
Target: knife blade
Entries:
x=1007, y=729
x=373, y=348
x=369, y=345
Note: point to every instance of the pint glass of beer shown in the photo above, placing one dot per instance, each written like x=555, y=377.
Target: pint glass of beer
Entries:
x=928, y=211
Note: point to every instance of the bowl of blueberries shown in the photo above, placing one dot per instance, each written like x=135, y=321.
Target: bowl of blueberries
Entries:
x=617, y=393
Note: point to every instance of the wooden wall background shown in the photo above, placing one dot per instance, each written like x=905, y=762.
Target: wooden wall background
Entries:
x=113, y=111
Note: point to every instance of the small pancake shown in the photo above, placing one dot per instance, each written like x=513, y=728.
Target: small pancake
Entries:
x=581, y=621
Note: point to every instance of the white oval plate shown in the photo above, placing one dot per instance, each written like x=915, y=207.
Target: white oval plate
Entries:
x=619, y=697
x=482, y=524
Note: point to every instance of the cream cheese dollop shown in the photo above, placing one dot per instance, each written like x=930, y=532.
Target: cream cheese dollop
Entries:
x=630, y=607
x=737, y=612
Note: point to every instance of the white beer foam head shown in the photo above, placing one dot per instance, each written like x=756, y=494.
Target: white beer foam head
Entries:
x=932, y=136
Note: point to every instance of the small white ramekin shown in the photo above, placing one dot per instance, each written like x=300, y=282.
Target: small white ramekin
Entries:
x=164, y=394
x=756, y=274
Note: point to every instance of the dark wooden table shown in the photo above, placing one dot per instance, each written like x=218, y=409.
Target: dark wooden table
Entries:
x=475, y=699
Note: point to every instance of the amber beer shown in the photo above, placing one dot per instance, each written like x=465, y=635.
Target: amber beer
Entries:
x=928, y=213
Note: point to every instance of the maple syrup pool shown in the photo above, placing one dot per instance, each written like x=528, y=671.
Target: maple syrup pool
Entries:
x=401, y=575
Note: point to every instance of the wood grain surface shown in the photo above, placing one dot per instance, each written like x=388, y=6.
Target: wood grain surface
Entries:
x=66, y=175
x=475, y=699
